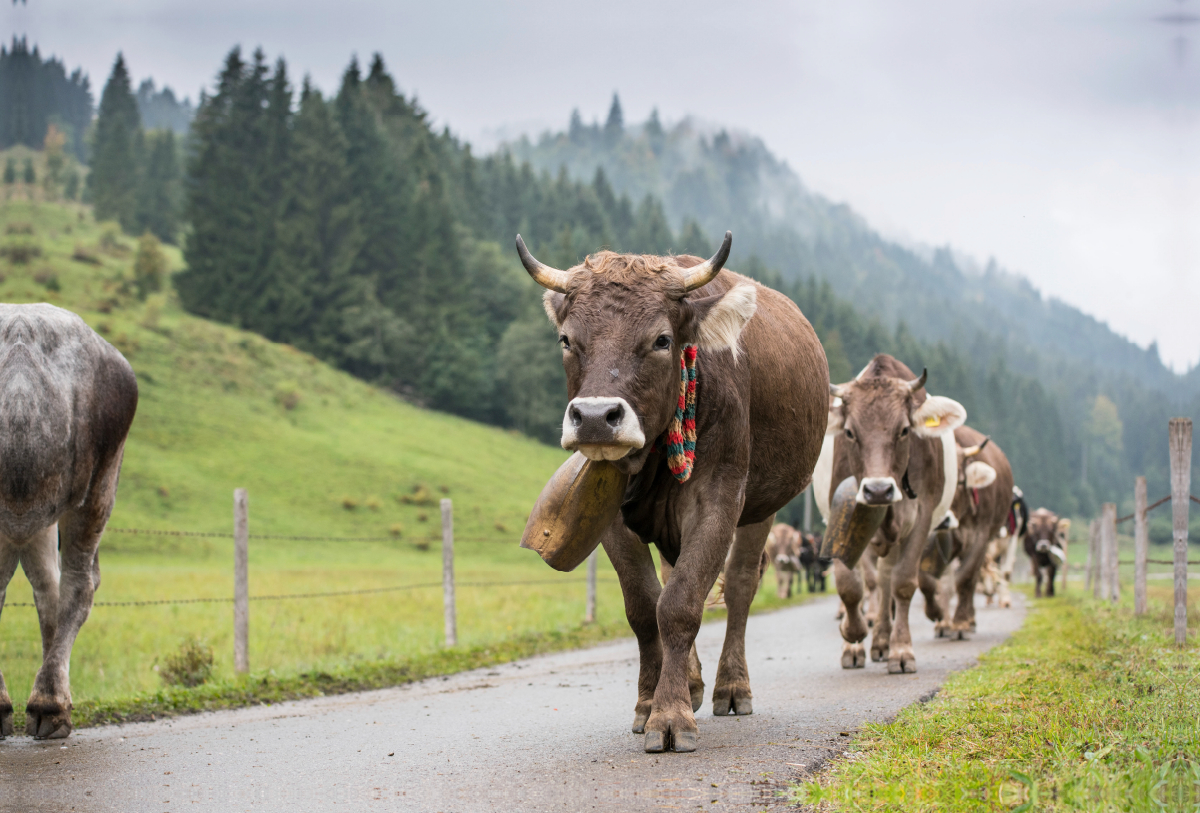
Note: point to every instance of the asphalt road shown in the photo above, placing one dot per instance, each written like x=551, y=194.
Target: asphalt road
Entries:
x=550, y=733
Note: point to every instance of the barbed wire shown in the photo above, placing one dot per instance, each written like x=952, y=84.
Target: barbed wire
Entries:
x=292, y=538
x=324, y=594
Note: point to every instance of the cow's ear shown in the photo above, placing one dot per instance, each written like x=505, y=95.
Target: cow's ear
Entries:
x=980, y=475
x=837, y=416
x=552, y=302
x=937, y=416
x=1064, y=527
x=722, y=318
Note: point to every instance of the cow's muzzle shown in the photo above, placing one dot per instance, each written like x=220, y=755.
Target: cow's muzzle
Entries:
x=879, y=491
x=602, y=428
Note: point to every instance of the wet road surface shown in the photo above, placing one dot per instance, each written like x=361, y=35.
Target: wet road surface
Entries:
x=545, y=734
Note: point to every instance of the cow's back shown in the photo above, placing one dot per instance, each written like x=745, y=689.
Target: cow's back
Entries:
x=994, y=500
x=67, y=400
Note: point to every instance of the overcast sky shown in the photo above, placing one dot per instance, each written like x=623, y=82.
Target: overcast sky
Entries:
x=1059, y=136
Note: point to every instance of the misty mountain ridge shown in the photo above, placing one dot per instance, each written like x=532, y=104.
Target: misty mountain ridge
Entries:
x=727, y=179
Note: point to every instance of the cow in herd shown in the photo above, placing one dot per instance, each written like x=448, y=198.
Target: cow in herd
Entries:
x=709, y=391
x=67, y=400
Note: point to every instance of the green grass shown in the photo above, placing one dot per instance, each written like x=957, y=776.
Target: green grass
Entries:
x=214, y=415
x=1087, y=707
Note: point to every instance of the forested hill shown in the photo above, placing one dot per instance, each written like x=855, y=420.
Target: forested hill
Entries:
x=724, y=179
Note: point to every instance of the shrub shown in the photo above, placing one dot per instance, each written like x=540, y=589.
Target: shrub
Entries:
x=396, y=530
x=287, y=395
x=19, y=228
x=349, y=503
x=191, y=666
x=421, y=495
x=372, y=502
x=84, y=254
x=47, y=278
x=20, y=253
x=422, y=517
x=149, y=267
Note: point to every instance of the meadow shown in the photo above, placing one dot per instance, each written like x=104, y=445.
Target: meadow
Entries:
x=321, y=454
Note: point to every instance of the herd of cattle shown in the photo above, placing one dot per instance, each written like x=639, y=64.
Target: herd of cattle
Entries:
x=708, y=390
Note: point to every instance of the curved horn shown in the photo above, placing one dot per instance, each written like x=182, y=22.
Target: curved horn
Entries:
x=835, y=390
x=917, y=383
x=543, y=275
x=706, y=271
x=971, y=451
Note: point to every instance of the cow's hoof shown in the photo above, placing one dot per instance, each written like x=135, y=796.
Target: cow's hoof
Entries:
x=973, y=626
x=6, y=721
x=47, y=723
x=663, y=734
x=697, y=697
x=1005, y=603
x=879, y=652
x=941, y=629
x=732, y=699
x=902, y=664
x=853, y=656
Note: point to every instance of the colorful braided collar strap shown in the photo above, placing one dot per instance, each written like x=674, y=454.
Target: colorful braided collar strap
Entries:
x=681, y=432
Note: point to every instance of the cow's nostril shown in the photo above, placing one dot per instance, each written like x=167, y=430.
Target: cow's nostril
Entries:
x=615, y=415
x=576, y=416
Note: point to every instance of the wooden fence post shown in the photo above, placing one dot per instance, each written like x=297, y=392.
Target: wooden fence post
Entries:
x=1141, y=544
x=589, y=613
x=1101, y=583
x=241, y=581
x=808, y=509
x=448, y=573
x=1093, y=558
x=1112, y=588
x=1180, y=439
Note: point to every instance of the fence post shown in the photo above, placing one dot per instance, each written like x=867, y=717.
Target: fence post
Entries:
x=241, y=581
x=808, y=509
x=1180, y=435
x=1093, y=558
x=1113, y=588
x=1141, y=545
x=448, y=573
x=589, y=614
x=1101, y=583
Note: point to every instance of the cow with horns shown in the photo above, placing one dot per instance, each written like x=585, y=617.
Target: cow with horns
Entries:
x=1046, y=547
x=67, y=400
x=892, y=446
x=640, y=335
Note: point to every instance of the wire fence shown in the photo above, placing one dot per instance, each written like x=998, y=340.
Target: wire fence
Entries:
x=1154, y=505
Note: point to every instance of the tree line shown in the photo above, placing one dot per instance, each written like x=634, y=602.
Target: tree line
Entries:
x=36, y=93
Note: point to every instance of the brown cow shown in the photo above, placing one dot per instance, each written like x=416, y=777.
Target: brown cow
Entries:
x=898, y=444
x=783, y=551
x=628, y=325
x=1046, y=547
x=981, y=503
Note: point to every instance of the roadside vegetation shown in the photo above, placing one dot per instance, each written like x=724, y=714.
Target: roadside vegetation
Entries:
x=1087, y=707
x=322, y=454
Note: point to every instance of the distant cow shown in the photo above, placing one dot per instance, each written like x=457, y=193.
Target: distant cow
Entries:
x=67, y=399
x=784, y=545
x=810, y=562
x=1046, y=547
x=996, y=575
x=709, y=391
x=898, y=444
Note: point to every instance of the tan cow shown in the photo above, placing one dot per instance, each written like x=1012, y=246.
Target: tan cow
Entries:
x=783, y=551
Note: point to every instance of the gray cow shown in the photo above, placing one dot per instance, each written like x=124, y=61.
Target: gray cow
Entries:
x=67, y=399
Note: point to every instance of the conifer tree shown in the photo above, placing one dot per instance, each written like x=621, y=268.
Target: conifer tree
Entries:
x=113, y=181
x=614, y=126
x=651, y=233
x=159, y=190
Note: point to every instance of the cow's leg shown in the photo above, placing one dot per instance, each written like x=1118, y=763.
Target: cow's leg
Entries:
x=9, y=556
x=48, y=712
x=640, y=589
x=870, y=576
x=695, y=679
x=1037, y=575
x=849, y=585
x=881, y=633
x=672, y=723
x=929, y=589
x=970, y=564
x=731, y=692
x=1051, y=577
x=783, y=582
x=904, y=562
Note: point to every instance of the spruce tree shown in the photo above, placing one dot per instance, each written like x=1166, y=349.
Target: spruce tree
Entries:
x=159, y=190
x=651, y=233
x=614, y=127
x=29, y=176
x=113, y=181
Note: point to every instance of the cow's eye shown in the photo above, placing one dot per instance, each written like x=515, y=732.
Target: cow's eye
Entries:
x=565, y=342
x=663, y=342
x=904, y=431
x=849, y=433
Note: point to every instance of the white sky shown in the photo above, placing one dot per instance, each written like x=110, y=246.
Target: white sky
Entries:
x=1059, y=136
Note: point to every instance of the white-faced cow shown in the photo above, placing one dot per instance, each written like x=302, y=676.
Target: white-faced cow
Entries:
x=635, y=330
x=898, y=445
x=981, y=503
x=783, y=550
x=67, y=399
x=1046, y=546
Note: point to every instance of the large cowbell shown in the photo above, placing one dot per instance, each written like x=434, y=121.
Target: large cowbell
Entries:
x=851, y=524
x=575, y=507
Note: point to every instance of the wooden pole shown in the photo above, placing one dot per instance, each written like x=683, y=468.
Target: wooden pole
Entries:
x=1093, y=558
x=1180, y=439
x=1066, y=568
x=1102, y=582
x=808, y=509
x=1113, y=586
x=589, y=614
x=241, y=581
x=1141, y=545
x=448, y=573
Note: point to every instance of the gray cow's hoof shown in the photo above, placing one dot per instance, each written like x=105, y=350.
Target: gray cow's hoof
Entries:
x=853, y=656
x=48, y=722
x=639, y=721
